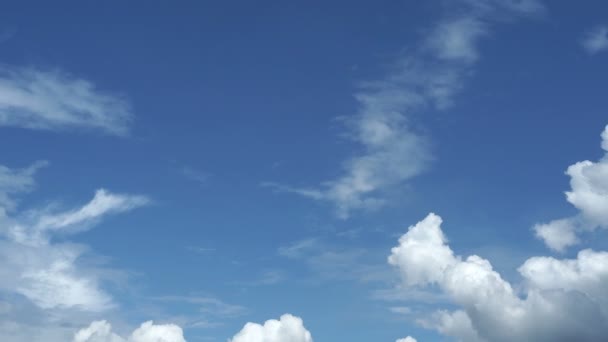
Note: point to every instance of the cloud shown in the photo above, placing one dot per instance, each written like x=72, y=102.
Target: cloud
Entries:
x=407, y=339
x=47, y=273
x=589, y=194
x=561, y=300
x=195, y=175
x=393, y=149
x=456, y=324
x=596, y=40
x=456, y=39
x=287, y=328
x=54, y=100
x=14, y=182
x=101, y=331
x=558, y=234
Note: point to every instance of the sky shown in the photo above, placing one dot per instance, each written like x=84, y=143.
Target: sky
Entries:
x=284, y=171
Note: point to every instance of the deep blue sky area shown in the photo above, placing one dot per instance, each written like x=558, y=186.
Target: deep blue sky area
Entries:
x=235, y=106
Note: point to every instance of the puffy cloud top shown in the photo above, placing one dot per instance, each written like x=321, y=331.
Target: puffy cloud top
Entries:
x=101, y=331
x=287, y=328
x=407, y=339
x=589, y=194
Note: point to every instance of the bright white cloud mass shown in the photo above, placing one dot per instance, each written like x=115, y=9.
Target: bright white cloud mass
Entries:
x=54, y=100
x=559, y=300
x=429, y=78
x=589, y=194
x=101, y=331
x=287, y=328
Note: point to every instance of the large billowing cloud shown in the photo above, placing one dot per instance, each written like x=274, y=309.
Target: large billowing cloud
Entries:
x=429, y=77
x=54, y=100
x=589, y=194
x=559, y=299
x=101, y=331
x=287, y=328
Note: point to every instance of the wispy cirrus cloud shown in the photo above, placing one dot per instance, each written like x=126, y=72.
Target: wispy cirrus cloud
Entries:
x=427, y=78
x=55, y=100
x=596, y=40
x=328, y=261
x=207, y=305
x=15, y=181
x=45, y=272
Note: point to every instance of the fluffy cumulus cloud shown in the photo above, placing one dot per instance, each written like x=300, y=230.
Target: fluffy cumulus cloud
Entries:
x=393, y=150
x=287, y=328
x=559, y=299
x=54, y=100
x=596, y=40
x=407, y=339
x=45, y=272
x=101, y=331
x=589, y=194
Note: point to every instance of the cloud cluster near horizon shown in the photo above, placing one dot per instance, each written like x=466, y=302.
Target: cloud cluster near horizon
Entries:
x=393, y=150
x=101, y=331
x=286, y=328
x=559, y=299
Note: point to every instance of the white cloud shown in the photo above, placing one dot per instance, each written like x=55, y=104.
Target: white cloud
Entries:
x=13, y=182
x=37, y=225
x=596, y=40
x=456, y=39
x=589, y=194
x=456, y=324
x=54, y=100
x=393, y=149
x=407, y=339
x=149, y=332
x=287, y=328
x=98, y=331
x=101, y=331
x=558, y=234
x=562, y=300
x=47, y=273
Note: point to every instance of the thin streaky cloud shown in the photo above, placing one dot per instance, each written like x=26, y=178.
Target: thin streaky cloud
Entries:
x=47, y=273
x=596, y=40
x=426, y=79
x=55, y=100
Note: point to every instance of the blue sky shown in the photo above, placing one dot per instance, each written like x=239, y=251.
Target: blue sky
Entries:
x=207, y=164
